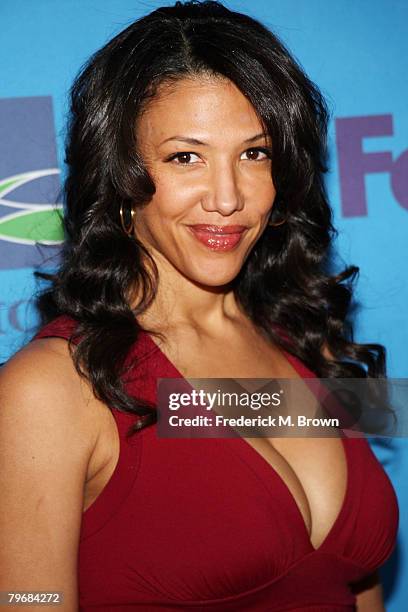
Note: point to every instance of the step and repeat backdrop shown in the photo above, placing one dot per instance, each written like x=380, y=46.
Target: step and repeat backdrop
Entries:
x=356, y=51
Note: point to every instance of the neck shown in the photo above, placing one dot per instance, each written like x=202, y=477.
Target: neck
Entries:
x=181, y=302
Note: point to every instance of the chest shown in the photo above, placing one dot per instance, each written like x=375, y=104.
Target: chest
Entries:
x=258, y=506
x=208, y=519
x=315, y=473
x=236, y=355
x=313, y=470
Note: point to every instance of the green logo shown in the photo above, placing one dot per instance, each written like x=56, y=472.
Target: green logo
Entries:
x=30, y=223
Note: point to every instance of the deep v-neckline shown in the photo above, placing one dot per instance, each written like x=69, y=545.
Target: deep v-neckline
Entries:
x=266, y=468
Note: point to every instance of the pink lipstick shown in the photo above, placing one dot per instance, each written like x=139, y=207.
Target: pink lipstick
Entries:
x=218, y=237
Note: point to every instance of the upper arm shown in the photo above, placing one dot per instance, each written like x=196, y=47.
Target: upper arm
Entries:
x=369, y=594
x=45, y=445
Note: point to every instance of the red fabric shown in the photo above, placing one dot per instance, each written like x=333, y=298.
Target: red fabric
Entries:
x=207, y=524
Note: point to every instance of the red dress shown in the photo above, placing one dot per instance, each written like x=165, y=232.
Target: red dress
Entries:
x=207, y=524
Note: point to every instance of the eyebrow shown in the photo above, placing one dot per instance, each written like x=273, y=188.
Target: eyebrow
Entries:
x=194, y=141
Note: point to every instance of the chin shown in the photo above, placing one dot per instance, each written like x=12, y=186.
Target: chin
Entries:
x=214, y=276
x=214, y=283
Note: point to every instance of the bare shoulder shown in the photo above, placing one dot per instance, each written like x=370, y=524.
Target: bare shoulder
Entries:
x=47, y=410
x=45, y=357
x=40, y=383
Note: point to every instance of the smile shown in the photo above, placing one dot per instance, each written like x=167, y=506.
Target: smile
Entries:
x=218, y=237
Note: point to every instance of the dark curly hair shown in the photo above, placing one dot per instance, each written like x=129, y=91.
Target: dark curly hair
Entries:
x=286, y=281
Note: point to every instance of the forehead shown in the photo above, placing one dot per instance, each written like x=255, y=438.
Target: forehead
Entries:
x=199, y=106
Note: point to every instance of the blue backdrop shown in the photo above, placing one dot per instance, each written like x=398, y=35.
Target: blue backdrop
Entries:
x=355, y=51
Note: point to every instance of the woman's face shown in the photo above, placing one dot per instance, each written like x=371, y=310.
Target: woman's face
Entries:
x=206, y=152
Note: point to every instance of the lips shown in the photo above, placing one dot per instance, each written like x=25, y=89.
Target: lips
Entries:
x=219, y=229
x=218, y=237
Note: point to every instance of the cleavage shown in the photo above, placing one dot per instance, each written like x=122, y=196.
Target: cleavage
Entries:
x=314, y=471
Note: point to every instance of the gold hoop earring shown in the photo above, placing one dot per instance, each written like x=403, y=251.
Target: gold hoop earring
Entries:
x=281, y=204
x=278, y=223
x=129, y=229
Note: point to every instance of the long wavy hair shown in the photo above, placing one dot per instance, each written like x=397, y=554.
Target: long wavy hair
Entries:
x=285, y=282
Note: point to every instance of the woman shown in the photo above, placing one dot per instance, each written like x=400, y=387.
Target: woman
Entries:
x=198, y=235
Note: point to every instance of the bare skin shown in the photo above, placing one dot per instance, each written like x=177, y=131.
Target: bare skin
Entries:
x=225, y=180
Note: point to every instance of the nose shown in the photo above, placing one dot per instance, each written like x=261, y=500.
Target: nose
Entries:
x=223, y=193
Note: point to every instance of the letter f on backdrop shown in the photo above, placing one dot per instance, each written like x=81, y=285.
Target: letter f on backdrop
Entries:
x=354, y=163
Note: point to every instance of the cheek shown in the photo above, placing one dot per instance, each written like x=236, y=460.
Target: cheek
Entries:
x=265, y=197
x=174, y=201
x=165, y=207
x=259, y=184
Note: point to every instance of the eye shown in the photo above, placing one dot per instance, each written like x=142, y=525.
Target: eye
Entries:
x=258, y=154
x=183, y=158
